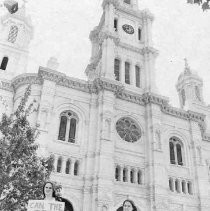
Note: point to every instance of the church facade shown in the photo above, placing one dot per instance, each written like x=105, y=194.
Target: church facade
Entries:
x=113, y=136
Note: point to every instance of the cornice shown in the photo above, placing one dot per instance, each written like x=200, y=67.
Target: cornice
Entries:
x=62, y=80
x=26, y=79
x=101, y=84
x=149, y=50
x=187, y=115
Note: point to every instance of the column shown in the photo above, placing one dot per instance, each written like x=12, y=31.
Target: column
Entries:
x=55, y=163
x=122, y=71
x=133, y=75
x=63, y=167
x=128, y=174
x=73, y=160
x=135, y=176
x=67, y=129
x=121, y=173
x=173, y=184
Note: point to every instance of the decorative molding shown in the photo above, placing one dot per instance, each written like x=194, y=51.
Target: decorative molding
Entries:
x=100, y=84
x=26, y=79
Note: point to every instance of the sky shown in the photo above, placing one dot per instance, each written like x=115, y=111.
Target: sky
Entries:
x=180, y=30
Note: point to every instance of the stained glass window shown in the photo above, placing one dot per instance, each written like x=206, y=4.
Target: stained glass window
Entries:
x=128, y=130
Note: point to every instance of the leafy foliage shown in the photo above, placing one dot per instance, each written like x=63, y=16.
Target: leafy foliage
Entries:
x=22, y=172
x=203, y=3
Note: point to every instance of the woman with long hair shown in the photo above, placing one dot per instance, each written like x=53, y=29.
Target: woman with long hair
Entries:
x=49, y=191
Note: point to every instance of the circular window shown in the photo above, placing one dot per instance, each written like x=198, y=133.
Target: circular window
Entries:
x=128, y=130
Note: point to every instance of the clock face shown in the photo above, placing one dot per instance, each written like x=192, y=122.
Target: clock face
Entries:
x=128, y=28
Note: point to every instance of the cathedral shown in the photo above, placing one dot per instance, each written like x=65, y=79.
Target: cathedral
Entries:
x=114, y=136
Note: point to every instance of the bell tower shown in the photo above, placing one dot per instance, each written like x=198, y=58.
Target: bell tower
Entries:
x=189, y=87
x=122, y=48
x=16, y=32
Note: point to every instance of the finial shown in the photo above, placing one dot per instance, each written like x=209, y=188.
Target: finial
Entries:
x=187, y=67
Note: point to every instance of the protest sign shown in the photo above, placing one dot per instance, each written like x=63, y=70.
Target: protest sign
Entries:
x=45, y=205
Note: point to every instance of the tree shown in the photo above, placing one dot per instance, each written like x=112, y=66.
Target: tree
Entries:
x=203, y=3
x=22, y=171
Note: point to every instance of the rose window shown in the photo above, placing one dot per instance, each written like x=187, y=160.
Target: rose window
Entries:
x=128, y=130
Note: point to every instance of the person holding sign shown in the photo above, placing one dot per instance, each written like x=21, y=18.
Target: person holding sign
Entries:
x=49, y=203
x=49, y=191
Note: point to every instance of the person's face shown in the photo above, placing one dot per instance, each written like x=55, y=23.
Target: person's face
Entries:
x=48, y=189
x=127, y=206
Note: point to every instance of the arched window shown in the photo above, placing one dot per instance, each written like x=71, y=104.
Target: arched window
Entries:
x=68, y=163
x=76, y=168
x=4, y=63
x=127, y=72
x=117, y=69
x=72, y=130
x=124, y=175
x=189, y=187
x=137, y=69
x=115, y=24
x=177, y=187
x=184, y=187
x=139, y=33
x=183, y=97
x=139, y=177
x=197, y=93
x=13, y=34
x=68, y=127
x=62, y=129
x=176, y=151
x=59, y=165
x=117, y=173
x=132, y=176
x=171, y=184
x=172, y=155
x=179, y=154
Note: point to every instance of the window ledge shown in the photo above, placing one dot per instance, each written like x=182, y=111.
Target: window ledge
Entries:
x=66, y=142
x=178, y=166
x=187, y=195
x=67, y=175
x=128, y=183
